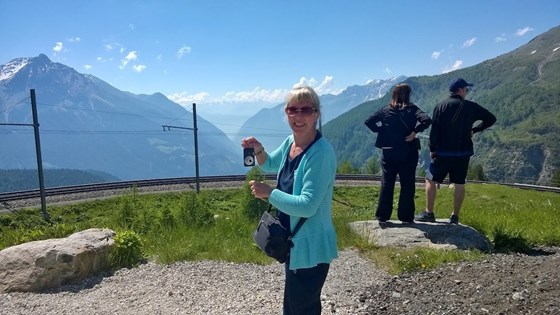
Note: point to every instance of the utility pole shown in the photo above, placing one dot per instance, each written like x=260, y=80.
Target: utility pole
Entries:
x=35, y=126
x=195, y=129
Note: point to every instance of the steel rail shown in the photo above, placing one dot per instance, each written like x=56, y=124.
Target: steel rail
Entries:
x=64, y=190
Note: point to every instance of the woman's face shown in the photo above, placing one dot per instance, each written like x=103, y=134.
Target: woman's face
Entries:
x=302, y=117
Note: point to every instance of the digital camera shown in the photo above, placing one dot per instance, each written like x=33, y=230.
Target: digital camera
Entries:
x=249, y=157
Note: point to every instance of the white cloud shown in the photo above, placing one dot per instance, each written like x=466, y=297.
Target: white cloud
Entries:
x=87, y=67
x=388, y=70
x=139, y=68
x=257, y=95
x=523, y=31
x=469, y=42
x=58, y=47
x=159, y=57
x=184, y=98
x=100, y=59
x=436, y=54
x=501, y=38
x=325, y=87
x=183, y=51
x=74, y=39
x=456, y=65
x=108, y=47
x=133, y=55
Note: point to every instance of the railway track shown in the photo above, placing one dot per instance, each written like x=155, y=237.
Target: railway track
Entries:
x=57, y=191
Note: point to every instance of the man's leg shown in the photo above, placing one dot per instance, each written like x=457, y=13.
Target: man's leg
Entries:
x=431, y=192
x=458, y=198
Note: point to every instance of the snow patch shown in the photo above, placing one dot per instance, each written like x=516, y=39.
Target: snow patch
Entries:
x=8, y=70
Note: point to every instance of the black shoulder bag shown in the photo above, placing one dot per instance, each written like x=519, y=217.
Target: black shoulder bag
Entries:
x=274, y=239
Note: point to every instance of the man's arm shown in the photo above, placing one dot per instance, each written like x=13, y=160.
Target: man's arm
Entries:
x=487, y=119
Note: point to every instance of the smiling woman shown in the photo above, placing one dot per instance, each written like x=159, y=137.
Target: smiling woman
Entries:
x=306, y=168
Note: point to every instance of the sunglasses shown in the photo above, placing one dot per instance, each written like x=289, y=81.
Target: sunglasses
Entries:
x=306, y=110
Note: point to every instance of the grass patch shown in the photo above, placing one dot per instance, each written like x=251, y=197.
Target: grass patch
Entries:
x=218, y=224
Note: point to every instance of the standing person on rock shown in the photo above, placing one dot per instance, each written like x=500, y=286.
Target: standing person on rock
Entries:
x=306, y=166
x=451, y=145
x=399, y=121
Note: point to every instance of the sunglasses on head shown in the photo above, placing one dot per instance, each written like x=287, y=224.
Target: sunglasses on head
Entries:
x=306, y=110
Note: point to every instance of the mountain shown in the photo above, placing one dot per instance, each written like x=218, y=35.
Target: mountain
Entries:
x=85, y=123
x=522, y=88
x=271, y=128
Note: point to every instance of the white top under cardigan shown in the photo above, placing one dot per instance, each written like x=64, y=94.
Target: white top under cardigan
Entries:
x=315, y=242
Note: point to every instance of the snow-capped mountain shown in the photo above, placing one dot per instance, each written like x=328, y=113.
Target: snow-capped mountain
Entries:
x=11, y=68
x=85, y=123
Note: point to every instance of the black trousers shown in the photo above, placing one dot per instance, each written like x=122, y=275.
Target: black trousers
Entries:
x=302, y=290
x=393, y=163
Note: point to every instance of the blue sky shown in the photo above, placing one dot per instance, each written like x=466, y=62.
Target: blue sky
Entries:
x=255, y=50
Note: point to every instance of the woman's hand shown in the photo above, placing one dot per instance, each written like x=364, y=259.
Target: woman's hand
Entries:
x=252, y=142
x=410, y=137
x=260, y=190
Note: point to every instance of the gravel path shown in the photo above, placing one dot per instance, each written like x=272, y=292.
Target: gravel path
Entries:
x=500, y=284
x=203, y=287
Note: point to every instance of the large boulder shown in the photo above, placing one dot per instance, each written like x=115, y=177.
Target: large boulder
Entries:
x=440, y=235
x=40, y=265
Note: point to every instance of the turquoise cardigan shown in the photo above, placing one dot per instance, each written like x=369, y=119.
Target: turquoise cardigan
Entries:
x=315, y=242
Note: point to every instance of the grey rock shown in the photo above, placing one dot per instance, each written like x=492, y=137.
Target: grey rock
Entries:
x=39, y=265
x=439, y=234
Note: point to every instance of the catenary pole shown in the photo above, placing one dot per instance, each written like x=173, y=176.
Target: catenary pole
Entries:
x=39, y=158
x=195, y=147
x=195, y=129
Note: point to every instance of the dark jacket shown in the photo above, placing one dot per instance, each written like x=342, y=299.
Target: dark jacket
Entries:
x=396, y=124
x=451, y=131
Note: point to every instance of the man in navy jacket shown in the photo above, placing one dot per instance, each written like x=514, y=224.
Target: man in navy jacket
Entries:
x=451, y=145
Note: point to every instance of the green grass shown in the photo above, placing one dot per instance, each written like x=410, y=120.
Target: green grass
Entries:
x=218, y=224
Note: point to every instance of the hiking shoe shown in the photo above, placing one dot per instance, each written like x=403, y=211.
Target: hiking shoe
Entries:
x=426, y=217
x=454, y=219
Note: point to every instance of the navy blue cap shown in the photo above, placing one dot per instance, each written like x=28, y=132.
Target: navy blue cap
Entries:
x=458, y=83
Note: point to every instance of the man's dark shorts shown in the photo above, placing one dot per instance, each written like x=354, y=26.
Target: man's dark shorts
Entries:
x=456, y=167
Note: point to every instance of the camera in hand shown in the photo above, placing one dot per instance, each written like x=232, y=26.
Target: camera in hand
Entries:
x=249, y=157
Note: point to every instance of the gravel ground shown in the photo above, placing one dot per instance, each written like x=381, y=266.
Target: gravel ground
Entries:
x=204, y=287
x=500, y=284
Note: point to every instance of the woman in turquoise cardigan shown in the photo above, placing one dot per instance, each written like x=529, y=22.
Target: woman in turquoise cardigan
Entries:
x=306, y=166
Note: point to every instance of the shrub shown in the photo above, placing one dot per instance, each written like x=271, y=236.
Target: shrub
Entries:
x=127, y=251
x=194, y=212
x=125, y=214
x=166, y=220
x=254, y=207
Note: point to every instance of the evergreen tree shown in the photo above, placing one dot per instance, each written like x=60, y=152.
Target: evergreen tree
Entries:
x=372, y=166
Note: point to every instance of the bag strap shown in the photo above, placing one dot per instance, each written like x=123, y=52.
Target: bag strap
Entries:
x=402, y=120
x=298, y=225
x=457, y=113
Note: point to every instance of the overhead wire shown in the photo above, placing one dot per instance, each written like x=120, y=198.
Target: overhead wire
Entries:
x=16, y=104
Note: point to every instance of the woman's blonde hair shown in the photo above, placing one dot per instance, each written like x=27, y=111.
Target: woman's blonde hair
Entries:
x=304, y=94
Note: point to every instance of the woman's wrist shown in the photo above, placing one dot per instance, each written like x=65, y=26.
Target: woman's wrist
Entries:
x=258, y=152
